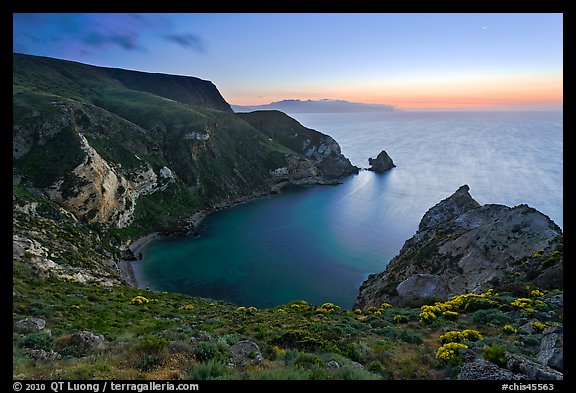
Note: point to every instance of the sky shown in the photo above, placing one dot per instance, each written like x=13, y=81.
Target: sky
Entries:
x=414, y=61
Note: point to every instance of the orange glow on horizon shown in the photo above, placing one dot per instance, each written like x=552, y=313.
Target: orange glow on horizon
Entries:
x=498, y=93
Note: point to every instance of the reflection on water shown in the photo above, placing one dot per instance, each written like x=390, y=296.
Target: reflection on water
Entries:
x=319, y=243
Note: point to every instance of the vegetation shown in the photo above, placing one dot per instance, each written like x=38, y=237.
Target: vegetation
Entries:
x=65, y=272
x=153, y=335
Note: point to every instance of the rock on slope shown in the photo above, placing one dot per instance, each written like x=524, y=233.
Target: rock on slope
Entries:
x=461, y=246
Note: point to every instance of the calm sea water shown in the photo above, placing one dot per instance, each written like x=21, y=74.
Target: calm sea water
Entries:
x=319, y=243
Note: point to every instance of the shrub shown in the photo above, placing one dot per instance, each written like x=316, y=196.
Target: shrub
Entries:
x=205, y=351
x=427, y=316
x=213, y=369
x=450, y=353
x=152, y=344
x=536, y=293
x=509, y=329
x=284, y=374
x=375, y=367
x=352, y=373
x=149, y=362
x=451, y=315
x=523, y=304
x=304, y=340
x=471, y=335
x=450, y=337
x=400, y=334
x=493, y=316
x=539, y=326
x=139, y=300
x=464, y=335
x=400, y=319
x=308, y=360
x=327, y=308
x=38, y=340
x=495, y=354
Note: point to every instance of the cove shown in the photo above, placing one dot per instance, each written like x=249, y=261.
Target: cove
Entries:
x=316, y=243
x=319, y=243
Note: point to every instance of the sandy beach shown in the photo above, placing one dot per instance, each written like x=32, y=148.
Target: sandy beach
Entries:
x=138, y=245
x=128, y=268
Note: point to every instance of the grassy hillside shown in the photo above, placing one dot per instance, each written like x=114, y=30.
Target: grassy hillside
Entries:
x=154, y=335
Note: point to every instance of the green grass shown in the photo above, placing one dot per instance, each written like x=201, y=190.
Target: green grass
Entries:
x=179, y=335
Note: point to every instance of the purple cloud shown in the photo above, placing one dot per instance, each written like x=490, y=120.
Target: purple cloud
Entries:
x=127, y=41
x=187, y=41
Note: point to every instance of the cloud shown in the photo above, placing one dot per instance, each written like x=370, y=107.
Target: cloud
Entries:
x=187, y=41
x=127, y=41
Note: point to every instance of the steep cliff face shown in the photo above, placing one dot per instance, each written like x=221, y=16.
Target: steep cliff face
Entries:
x=185, y=89
x=70, y=78
x=322, y=149
x=141, y=151
x=461, y=246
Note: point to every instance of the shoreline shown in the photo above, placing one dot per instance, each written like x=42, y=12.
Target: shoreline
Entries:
x=133, y=253
x=128, y=266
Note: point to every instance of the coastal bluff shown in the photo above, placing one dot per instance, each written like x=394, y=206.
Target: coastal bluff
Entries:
x=461, y=246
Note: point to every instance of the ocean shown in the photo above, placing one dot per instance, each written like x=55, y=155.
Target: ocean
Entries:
x=318, y=243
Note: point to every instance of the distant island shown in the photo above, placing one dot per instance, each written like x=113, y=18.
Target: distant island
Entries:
x=317, y=106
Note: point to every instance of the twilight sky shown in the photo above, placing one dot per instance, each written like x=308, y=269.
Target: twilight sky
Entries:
x=423, y=61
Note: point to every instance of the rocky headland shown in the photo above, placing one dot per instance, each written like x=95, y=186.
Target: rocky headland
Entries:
x=461, y=246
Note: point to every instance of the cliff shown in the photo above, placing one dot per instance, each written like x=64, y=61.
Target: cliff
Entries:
x=320, y=148
x=461, y=247
x=74, y=79
x=140, y=152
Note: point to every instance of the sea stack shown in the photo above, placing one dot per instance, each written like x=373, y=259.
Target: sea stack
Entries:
x=381, y=163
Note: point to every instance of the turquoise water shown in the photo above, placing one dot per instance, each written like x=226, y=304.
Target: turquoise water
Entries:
x=319, y=243
x=296, y=245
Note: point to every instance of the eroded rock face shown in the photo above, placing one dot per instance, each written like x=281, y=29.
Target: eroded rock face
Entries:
x=103, y=195
x=473, y=248
x=381, y=163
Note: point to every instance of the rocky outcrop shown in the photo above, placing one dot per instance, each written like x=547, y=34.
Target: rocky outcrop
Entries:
x=320, y=148
x=41, y=259
x=381, y=163
x=470, y=248
x=481, y=369
x=87, y=341
x=244, y=353
x=552, y=348
x=419, y=286
x=31, y=324
x=534, y=371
